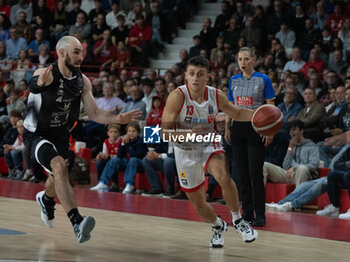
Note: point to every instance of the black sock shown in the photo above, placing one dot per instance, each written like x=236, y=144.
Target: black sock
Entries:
x=74, y=216
x=48, y=201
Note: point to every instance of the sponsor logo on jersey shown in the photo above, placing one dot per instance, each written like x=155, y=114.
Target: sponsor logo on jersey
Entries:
x=188, y=119
x=244, y=100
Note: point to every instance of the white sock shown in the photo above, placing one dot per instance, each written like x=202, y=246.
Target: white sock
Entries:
x=218, y=222
x=236, y=216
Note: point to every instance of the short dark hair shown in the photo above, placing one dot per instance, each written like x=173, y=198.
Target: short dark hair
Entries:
x=199, y=61
x=134, y=125
x=147, y=82
x=296, y=123
x=16, y=113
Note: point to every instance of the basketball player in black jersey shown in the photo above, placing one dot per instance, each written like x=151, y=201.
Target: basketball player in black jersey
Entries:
x=53, y=106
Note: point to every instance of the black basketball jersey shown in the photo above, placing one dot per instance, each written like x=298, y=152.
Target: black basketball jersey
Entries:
x=53, y=111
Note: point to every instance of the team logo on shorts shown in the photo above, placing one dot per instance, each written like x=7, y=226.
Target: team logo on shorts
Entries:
x=184, y=182
x=210, y=109
x=151, y=134
x=188, y=119
x=182, y=174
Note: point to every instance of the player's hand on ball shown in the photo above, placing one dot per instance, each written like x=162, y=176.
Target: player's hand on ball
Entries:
x=128, y=117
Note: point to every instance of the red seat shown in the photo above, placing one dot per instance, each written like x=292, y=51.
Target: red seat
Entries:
x=275, y=192
x=3, y=166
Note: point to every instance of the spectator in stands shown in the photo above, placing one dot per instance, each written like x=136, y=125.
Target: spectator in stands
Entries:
x=196, y=48
x=240, y=15
x=123, y=57
x=23, y=5
x=58, y=27
x=5, y=60
x=251, y=33
x=110, y=148
x=121, y=32
x=290, y=107
x=104, y=51
x=81, y=27
x=276, y=151
x=33, y=48
x=118, y=89
x=183, y=55
x=327, y=40
x=296, y=63
x=136, y=102
x=133, y=146
x=140, y=41
x=298, y=21
x=11, y=132
x=72, y=15
x=15, y=44
x=302, y=194
x=314, y=61
x=5, y=8
x=222, y=20
x=312, y=115
x=108, y=103
x=127, y=5
x=4, y=26
x=301, y=161
x=161, y=159
x=158, y=23
x=132, y=14
x=337, y=64
x=98, y=28
x=207, y=35
x=231, y=34
x=155, y=116
x=161, y=88
x=286, y=36
x=111, y=17
x=21, y=67
x=331, y=155
x=344, y=35
x=13, y=154
x=336, y=180
x=275, y=18
x=149, y=92
x=44, y=58
x=319, y=16
x=14, y=103
x=171, y=87
x=336, y=20
x=92, y=17
x=40, y=10
x=314, y=83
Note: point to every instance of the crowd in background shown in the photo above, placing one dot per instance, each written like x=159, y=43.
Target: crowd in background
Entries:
x=303, y=46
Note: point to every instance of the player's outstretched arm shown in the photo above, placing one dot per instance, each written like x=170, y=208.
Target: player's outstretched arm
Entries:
x=100, y=116
x=238, y=114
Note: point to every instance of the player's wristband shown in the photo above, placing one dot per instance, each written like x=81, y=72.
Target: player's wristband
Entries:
x=34, y=87
x=290, y=149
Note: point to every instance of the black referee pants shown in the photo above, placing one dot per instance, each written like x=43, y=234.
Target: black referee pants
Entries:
x=248, y=156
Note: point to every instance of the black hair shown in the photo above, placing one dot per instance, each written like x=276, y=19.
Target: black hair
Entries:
x=296, y=123
x=199, y=61
x=147, y=82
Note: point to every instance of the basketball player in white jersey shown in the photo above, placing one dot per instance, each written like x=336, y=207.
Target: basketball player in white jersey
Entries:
x=194, y=106
x=53, y=107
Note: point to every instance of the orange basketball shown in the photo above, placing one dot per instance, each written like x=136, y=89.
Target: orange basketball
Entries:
x=267, y=120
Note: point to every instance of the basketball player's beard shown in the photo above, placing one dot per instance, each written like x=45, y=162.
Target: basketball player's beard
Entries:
x=68, y=64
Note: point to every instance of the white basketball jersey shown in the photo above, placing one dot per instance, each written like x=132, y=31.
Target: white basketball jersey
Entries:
x=192, y=113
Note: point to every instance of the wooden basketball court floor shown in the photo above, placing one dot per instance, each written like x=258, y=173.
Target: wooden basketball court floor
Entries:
x=136, y=228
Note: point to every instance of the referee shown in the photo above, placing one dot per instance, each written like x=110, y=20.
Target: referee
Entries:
x=249, y=89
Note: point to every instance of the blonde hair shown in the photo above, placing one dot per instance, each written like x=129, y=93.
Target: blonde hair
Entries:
x=247, y=49
x=19, y=123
